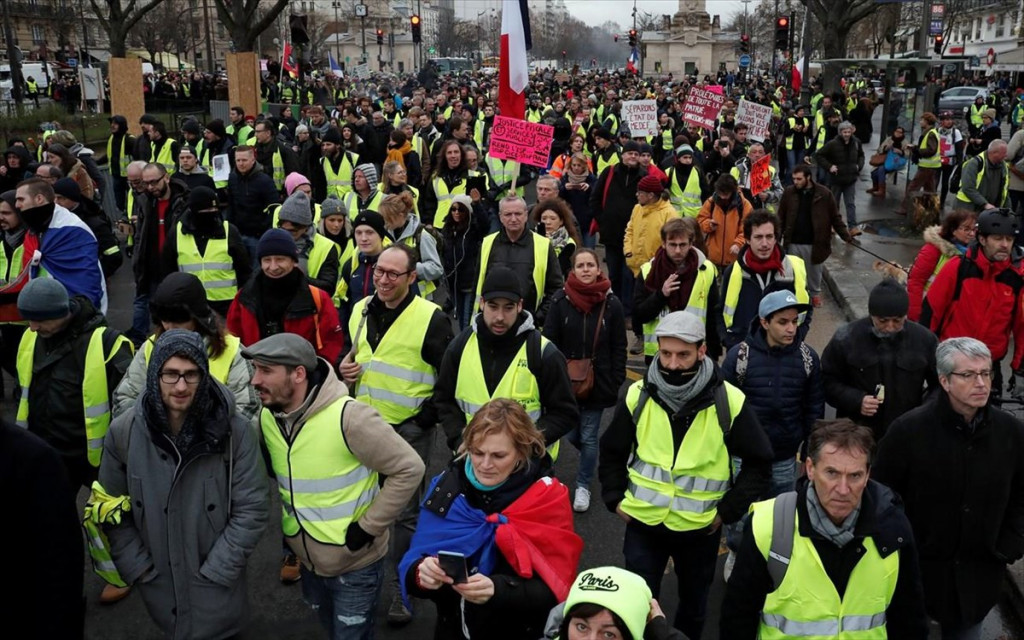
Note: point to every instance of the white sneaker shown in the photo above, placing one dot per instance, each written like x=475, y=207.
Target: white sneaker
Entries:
x=582, y=500
x=730, y=562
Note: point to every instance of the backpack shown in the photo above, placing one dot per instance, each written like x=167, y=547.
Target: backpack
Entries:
x=743, y=356
x=954, y=178
x=721, y=407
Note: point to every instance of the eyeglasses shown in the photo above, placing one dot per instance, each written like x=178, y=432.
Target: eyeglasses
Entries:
x=968, y=229
x=968, y=376
x=459, y=207
x=153, y=183
x=172, y=377
x=390, y=276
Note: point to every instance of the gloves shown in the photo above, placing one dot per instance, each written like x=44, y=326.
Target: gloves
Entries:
x=356, y=538
x=1017, y=386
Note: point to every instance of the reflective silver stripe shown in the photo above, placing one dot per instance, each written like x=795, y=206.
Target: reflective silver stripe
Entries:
x=22, y=423
x=402, y=373
x=384, y=395
x=677, y=503
x=207, y=266
x=323, y=485
x=24, y=393
x=97, y=410
x=651, y=472
x=650, y=496
x=700, y=312
x=220, y=284
x=96, y=443
x=686, y=483
x=729, y=311
x=446, y=197
x=799, y=629
x=649, y=337
x=863, y=623
x=324, y=514
x=534, y=415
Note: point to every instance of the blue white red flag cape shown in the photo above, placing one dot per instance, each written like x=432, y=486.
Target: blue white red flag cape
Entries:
x=68, y=252
x=633, y=62
x=335, y=67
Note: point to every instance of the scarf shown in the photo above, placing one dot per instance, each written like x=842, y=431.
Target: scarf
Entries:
x=559, y=237
x=187, y=344
x=398, y=155
x=575, y=178
x=662, y=268
x=839, y=535
x=771, y=264
x=676, y=396
x=14, y=238
x=586, y=296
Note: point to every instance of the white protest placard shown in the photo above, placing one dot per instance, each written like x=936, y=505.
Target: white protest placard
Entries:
x=221, y=168
x=361, y=71
x=640, y=117
x=757, y=117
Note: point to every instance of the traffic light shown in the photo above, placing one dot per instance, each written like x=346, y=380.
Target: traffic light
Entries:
x=782, y=33
x=744, y=43
x=298, y=25
x=938, y=44
x=417, y=35
x=380, y=36
x=616, y=37
x=564, y=53
x=632, y=37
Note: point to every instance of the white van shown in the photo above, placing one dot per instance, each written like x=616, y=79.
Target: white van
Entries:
x=34, y=69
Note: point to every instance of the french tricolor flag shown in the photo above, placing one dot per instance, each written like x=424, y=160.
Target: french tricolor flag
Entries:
x=633, y=61
x=514, y=70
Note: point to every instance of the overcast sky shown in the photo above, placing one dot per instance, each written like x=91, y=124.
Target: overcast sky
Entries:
x=596, y=12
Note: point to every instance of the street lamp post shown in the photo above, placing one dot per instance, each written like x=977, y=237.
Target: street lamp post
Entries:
x=361, y=14
x=337, y=41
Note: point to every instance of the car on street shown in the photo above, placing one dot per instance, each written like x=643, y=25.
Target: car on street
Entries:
x=958, y=99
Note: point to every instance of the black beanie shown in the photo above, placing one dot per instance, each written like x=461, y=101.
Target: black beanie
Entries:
x=888, y=299
x=370, y=219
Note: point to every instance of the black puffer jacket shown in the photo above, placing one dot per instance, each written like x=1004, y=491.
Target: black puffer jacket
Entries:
x=572, y=331
x=613, y=207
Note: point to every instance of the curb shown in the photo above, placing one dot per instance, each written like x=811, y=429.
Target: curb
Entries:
x=1015, y=592
x=847, y=289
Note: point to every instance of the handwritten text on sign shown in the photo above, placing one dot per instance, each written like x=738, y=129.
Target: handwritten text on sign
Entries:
x=761, y=175
x=757, y=117
x=641, y=117
x=522, y=141
x=702, y=107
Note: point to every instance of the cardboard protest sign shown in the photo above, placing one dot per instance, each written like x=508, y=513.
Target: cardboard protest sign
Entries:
x=640, y=117
x=702, y=107
x=761, y=175
x=757, y=117
x=525, y=142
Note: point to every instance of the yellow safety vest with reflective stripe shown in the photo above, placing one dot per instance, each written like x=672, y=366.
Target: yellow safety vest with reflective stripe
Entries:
x=275, y=213
x=943, y=259
x=95, y=396
x=961, y=196
x=793, y=268
x=220, y=367
x=351, y=201
x=101, y=509
x=214, y=269
x=244, y=133
x=205, y=156
x=666, y=140
x=540, y=262
x=165, y=157
x=32, y=87
x=350, y=255
x=680, y=488
x=124, y=160
x=478, y=133
x=975, y=114
x=686, y=201
x=503, y=171
x=518, y=383
x=277, y=165
x=9, y=270
x=792, y=134
x=444, y=197
x=322, y=247
x=697, y=304
x=396, y=381
x=603, y=164
x=935, y=161
x=535, y=116
x=323, y=486
x=806, y=603
x=338, y=183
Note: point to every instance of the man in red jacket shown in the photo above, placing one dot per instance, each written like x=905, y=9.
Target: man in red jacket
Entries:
x=976, y=296
x=280, y=299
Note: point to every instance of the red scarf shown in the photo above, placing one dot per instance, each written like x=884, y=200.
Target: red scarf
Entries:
x=586, y=296
x=663, y=267
x=761, y=267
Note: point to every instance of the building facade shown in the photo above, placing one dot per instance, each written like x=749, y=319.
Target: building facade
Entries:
x=694, y=44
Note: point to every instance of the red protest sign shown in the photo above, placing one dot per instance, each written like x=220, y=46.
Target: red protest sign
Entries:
x=761, y=175
x=520, y=140
x=702, y=107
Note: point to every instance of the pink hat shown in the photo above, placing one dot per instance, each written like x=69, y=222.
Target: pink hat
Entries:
x=294, y=180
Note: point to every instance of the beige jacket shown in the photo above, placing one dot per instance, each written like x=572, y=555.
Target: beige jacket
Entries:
x=379, y=447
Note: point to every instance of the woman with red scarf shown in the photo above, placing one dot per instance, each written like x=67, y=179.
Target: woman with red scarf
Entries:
x=586, y=321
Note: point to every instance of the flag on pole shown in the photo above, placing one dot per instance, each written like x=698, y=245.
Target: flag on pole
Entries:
x=633, y=61
x=335, y=67
x=798, y=79
x=288, y=62
x=514, y=70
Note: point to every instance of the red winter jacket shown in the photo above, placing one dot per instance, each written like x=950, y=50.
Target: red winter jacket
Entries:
x=987, y=307
x=315, y=320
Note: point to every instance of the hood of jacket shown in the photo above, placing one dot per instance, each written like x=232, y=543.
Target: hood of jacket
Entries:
x=655, y=207
x=933, y=237
x=524, y=324
x=22, y=153
x=121, y=123
x=412, y=223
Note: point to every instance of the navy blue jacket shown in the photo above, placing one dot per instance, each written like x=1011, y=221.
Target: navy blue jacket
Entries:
x=778, y=388
x=249, y=197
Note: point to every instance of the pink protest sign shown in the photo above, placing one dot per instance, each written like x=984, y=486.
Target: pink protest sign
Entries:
x=702, y=107
x=522, y=141
x=716, y=88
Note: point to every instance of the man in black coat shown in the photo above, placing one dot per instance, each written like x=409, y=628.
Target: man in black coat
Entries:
x=612, y=200
x=959, y=465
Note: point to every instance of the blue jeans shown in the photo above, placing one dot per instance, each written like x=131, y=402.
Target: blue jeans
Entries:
x=584, y=438
x=465, y=302
x=848, y=194
x=141, y=318
x=783, y=480
x=345, y=604
x=589, y=241
x=250, y=243
x=620, y=276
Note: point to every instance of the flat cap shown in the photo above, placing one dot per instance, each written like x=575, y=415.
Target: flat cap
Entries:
x=682, y=325
x=283, y=348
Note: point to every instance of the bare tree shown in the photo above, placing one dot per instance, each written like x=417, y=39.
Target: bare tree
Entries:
x=117, y=20
x=244, y=19
x=837, y=18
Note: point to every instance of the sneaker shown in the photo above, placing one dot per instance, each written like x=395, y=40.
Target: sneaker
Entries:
x=398, y=614
x=636, y=346
x=290, y=573
x=730, y=562
x=816, y=301
x=582, y=501
x=112, y=594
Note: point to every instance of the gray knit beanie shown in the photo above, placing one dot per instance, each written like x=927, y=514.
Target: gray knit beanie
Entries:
x=369, y=172
x=296, y=210
x=43, y=299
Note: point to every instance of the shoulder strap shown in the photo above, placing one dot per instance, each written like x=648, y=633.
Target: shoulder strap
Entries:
x=722, y=408
x=783, y=530
x=742, y=355
x=315, y=292
x=641, y=402
x=534, y=353
x=607, y=183
x=597, y=327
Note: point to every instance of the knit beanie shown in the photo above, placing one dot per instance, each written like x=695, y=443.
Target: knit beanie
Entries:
x=620, y=591
x=888, y=299
x=332, y=206
x=202, y=198
x=293, y=181
x=43, y=299
x=632, y=145
x=68, y=188
x=178, y=293
x=371, y=219
x=296, y=209
x=332, y=135
x=369, y=172
x=277, y=242
x=650, y=184
x=604, y=134
x=216, y=127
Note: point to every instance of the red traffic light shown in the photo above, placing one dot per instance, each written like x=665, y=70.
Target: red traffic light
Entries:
x=564, y=53
x=632, y=33
x=415, y=20
x=616, y=37
x=782, y=23
x=938, y=38
x=380, y=32
x=744, y=38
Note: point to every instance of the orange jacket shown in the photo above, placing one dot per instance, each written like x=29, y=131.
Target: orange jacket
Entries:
x=729, y=230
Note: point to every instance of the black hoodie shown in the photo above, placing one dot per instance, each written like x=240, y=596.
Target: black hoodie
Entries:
x=115, y=141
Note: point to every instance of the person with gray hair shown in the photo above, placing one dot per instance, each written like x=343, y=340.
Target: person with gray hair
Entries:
x=528, y=254
x=985, y=180
x=843, y=158
x=958, y=463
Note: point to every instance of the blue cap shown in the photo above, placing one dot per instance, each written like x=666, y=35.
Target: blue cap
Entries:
x=779, y=300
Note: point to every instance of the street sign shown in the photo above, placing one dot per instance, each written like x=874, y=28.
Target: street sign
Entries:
x=72, y=62
x=431, y=50
x=938, y=11
x=935, y=28
x=361, y=71
x=975, y=61
x=745, y=60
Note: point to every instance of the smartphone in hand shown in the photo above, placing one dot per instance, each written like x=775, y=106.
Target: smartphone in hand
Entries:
x=453, y=564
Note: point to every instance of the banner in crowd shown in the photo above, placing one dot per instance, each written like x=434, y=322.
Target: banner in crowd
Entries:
x=640, y=117
x=757, y=117
x=361, y=71
x=702, y=107
x=761, y=175
x=525, y=142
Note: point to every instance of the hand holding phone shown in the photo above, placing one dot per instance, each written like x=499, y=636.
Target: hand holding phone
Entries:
x=453, y=564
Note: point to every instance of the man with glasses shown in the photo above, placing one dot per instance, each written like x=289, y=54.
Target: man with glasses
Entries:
x=875, y=369
x=399, y=339
x=276, y=159
x=529, y=255
x=49, y=173
x=957, y=462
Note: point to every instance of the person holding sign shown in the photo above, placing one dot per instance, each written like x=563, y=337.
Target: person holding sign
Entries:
x=757, y=178
x=687, y=185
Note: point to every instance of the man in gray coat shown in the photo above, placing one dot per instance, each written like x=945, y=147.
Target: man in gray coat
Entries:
x=199, y=495
x=985, y=180
x=842, y=158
